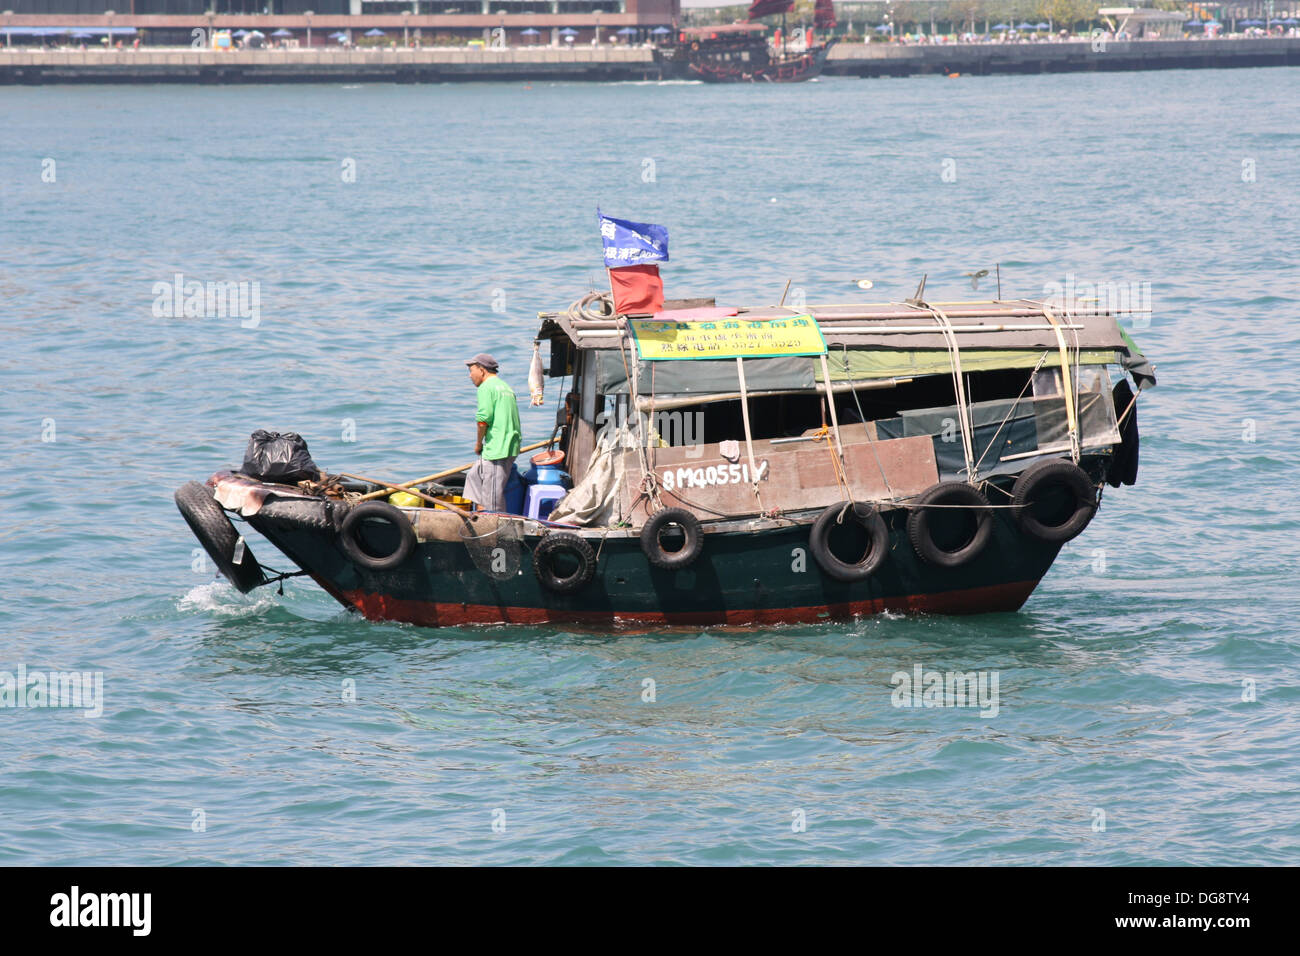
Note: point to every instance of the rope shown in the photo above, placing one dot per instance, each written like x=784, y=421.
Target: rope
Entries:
x=841, y=476
x=871, y=442
x=830, y=400
x=1071, y=409
x=912, y=504
x=475, y=537
x=580, y=309
x=749, y=438
x=959, y=389
x=279, y=576
x=1012, y=410
x=632, y=375
x=698, y=507
x=1128, y=408
x=601, y=548
x=837, y=451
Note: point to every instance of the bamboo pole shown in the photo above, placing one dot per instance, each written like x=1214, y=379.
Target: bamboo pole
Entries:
x=1071, y=413
x=407, y=486
x=830, y=400
x=749, y=436
x=389, y=489
x=665, y=404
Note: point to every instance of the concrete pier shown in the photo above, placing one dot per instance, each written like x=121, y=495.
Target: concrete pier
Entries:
x=440, y=65
x=443, y=65
x=892, y=59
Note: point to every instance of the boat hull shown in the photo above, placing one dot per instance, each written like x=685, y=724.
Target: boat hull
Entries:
x=743, y=577
x=720, y=62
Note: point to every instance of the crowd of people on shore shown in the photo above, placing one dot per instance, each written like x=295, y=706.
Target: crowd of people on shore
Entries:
x=1066, y=36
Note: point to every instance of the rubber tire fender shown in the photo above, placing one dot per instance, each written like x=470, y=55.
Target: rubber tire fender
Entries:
x=218, y=536
x=351, y=546
x=949, y=493
x=862, y=514
x=1044, y=474
x=545, y=569
x=653, y=548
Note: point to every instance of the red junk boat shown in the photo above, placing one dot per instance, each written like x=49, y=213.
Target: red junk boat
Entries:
x=740, y=52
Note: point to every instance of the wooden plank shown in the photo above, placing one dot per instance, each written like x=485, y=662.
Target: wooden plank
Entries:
x=582, y=442
x=792, y=476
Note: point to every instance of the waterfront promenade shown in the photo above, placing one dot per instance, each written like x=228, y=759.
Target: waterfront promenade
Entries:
x=458, y=64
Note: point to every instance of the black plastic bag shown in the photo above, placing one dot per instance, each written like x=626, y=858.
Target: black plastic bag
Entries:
x=279, y=458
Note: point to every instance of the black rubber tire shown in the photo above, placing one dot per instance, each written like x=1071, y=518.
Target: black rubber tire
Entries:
x=544, y=567
x=1038, y=479
x=218, y=536
x=654, y=548
x=865, y=515
x=921, y=535
x=298, y=513
x=382, y=510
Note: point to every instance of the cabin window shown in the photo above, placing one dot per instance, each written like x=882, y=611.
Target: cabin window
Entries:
x=562, y=355
x=1015, y=414
x=1096, y=409
x=1008, y=430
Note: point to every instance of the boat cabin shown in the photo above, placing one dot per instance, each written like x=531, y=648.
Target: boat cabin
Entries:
x=767, y=411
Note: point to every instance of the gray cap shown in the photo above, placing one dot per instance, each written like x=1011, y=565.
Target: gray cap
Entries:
x=485, y=360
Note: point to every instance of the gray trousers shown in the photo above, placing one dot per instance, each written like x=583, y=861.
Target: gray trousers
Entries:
x=485, y=483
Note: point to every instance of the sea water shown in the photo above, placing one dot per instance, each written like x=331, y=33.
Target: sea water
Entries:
x=365, y=240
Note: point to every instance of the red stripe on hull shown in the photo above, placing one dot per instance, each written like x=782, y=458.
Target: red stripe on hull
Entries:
x=381, y=607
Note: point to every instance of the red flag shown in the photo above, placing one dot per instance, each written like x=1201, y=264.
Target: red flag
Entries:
x=638, y=290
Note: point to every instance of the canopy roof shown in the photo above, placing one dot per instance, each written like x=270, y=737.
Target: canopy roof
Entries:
x=720, y=29
x=997, y=329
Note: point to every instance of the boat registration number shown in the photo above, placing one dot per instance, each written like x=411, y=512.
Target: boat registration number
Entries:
x=711, y=476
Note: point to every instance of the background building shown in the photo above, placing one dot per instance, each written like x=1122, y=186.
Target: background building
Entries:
x=409, y=21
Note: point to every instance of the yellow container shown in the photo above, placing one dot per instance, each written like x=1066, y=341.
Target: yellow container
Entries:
x=454, y=501
x=405, y=500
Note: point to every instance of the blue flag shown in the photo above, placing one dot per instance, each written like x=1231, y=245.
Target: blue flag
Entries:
x=632, y=243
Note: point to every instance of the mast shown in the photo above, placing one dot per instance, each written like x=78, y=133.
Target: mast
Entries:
x=765, y=8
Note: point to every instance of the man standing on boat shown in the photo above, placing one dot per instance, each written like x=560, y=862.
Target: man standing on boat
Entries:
x=498, y=435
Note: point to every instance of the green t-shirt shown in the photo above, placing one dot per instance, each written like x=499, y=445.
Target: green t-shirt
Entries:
x=497, y=406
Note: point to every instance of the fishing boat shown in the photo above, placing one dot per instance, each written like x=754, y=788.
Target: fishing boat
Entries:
x=716, y=465
x=741, y=53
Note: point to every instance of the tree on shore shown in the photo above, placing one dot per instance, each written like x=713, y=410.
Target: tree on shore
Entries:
x=1063, y=14
x=956, y=15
